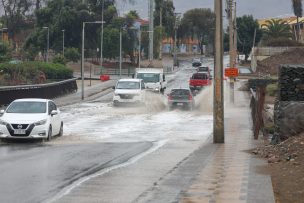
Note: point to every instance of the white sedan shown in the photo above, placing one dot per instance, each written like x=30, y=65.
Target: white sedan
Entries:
x=31, y=118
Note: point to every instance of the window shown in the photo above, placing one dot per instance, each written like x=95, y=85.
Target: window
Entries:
x=27, y=107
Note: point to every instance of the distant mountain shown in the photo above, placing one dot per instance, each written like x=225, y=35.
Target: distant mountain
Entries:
x=258, y=8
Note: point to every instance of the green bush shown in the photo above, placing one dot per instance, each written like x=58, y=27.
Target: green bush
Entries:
x=280, y=42
x=5, y=52
x=272, y=89
x=27, y=72
x=59, y=59
x=72, y=54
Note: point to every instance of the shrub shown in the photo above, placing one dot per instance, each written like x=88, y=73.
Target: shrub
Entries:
x=72, y=54
x=279, y=42
x=5, y=52
x=272, y=89
x=59, y=59
x=27, y=72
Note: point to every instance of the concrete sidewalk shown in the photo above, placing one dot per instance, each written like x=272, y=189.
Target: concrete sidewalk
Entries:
x=231, y=174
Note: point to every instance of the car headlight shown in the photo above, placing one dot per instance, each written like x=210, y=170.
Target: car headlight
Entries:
x=156, y=89
x=42, y=122
x=3, y=122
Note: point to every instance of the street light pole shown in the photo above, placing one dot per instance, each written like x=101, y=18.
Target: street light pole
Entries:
x=63, y=43
x=175, y=39
x=120, y=51
x=101, y=41
x=48, y=43
x=82, y=57
x=139, y=47
x=82, y=62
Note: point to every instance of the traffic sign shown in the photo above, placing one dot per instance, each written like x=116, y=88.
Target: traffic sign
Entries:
x=231, y=72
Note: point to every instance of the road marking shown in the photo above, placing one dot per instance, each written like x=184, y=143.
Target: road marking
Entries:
x=68, y=189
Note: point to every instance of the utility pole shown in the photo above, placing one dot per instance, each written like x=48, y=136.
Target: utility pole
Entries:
x=120, y=52
x=235, y=35
x=161, y=29
x=139, y=47
x=151, y=28
x=218, y=98
x=101, y=40
x=231, y=47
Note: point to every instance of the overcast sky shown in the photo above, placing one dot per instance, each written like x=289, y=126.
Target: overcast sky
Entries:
x=258, y=8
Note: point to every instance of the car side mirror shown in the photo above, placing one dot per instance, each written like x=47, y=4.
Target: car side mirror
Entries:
x=2, y=111
x=164, y=78
x=54, y=112
x=133, y=75
x=113, y=87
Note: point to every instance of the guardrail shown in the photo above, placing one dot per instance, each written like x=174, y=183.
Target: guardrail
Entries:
x=45, y=91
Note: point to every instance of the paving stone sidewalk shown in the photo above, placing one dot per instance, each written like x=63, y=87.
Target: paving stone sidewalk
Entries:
x=232, y=174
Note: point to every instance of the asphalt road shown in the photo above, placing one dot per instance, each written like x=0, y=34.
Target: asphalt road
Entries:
x=110, y=154
x=36, y=172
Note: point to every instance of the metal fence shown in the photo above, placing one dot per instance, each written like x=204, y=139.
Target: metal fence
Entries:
x=45, y=91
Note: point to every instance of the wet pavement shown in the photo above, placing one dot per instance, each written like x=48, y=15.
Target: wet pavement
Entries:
x=187, y=168
x=231, y=174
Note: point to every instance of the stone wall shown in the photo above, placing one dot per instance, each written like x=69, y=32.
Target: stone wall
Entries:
x=289, y=108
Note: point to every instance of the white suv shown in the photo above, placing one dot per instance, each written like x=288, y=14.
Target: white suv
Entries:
x=129, y=91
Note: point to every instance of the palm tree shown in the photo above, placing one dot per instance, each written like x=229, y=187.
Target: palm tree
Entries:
x=276, y=28
x=297, y=10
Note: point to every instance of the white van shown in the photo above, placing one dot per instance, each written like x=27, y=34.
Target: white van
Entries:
x=129, y=91
x=153, y=78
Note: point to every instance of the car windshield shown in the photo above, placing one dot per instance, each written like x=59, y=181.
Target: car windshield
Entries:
x=148, y=77
x=203, y=69
x=180, y=92
x=196, y=64
x=128, y=85
x=199, y=76
x=27, y=107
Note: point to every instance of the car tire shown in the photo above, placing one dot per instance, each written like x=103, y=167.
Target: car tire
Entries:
x=61, y=130
x=115, y=104
x=49, y=137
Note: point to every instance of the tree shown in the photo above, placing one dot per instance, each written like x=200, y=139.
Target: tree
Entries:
x=5, y=52
x=198, y=24
x=15, y=14
x=276, y=28
x=72, y=54
x=247, y=26
x=167, y=8
x=297, y=10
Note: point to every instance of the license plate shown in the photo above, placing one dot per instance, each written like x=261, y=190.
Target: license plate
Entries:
x=180, y=104
x=19, y=132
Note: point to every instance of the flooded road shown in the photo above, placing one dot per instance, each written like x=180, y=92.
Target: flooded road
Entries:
x=108, y=154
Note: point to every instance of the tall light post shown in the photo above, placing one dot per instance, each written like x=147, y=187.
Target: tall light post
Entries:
x=82, y=56
x=48, y=43
x=175, y=39
x=2, y=34
x=63, y=42
x=120, y=52
x=101, y=40
x=151, y=28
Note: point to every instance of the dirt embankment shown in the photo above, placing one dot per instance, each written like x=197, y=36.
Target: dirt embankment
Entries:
x=271, y=64
x=286, y=167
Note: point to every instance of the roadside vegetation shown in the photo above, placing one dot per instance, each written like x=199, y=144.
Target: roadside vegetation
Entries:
x=32, y=73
